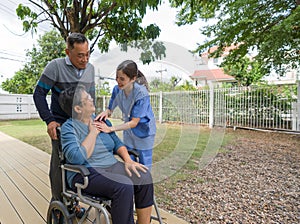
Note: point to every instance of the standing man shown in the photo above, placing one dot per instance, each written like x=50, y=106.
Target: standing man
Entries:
x=58, y=75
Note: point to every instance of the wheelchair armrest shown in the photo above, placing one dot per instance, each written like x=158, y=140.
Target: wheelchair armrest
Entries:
x=78, y=169
x=83, y=171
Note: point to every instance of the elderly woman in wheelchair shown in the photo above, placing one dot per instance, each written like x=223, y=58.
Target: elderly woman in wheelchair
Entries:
x=83, y=144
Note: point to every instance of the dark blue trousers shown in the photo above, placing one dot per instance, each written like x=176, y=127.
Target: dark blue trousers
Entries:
x=115, y=184
x=55, y=172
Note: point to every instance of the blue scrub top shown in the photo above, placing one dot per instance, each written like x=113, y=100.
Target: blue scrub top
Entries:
x=136, y=104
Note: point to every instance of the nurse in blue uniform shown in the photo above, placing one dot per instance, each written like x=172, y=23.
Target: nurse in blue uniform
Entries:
x=132, y=97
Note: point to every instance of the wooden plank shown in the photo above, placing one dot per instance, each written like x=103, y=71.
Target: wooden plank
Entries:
x=29, y=172
x=25, y=182
x=22, y=206
x=44, y=177
x=30, y=192
x=15, y=146
x=32, y=154
x=17, y=161
x=4, y=165
x=42, y=185
x=27, y=156
x=7, y=212
x=44, y=166
x=34, y=168
x=9, y=162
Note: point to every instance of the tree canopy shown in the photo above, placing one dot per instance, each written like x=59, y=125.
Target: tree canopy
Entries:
x=101, y=21
x=269, y=29
x=245, y=71
x=25, y=79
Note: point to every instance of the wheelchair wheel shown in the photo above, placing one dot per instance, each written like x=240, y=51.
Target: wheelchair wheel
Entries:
x=58, y=214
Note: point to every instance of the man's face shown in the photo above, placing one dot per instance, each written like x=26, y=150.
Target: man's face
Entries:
x=79, y=55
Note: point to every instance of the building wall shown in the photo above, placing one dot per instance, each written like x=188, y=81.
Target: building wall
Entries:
x=17, y=106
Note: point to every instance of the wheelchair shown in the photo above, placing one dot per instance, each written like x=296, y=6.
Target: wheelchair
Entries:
x=68, y=210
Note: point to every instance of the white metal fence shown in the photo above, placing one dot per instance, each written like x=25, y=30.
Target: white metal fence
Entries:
x=266, y=108
x=255, y=107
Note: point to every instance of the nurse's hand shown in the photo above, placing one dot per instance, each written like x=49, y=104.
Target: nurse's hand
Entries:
x=103, y=115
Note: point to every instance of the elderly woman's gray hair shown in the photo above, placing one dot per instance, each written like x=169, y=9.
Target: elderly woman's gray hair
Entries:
x=69, y=98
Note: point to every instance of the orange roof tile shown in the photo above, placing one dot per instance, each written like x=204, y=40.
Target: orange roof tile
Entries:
x=212, y=74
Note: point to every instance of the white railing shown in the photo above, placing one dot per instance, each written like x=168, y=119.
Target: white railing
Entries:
x=264, y=108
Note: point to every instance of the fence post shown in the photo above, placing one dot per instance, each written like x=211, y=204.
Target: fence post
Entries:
x=104, y=103
x=29, y=106
x=160, y=107
x=211, y=106
x=298, y=106
x=294, y=116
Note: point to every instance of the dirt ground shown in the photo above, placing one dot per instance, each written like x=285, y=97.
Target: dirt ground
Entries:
x=256, y=179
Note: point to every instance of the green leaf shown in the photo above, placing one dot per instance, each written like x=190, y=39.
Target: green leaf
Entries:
x=101, y=21
x=269, y=28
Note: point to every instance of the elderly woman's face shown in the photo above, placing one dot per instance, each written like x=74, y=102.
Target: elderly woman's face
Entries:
x=87, y=103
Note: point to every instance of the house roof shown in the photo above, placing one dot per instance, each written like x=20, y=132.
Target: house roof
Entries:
x=211, y=75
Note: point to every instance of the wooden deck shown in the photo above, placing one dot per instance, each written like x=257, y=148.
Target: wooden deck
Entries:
x=25, y=185
x=24, y=182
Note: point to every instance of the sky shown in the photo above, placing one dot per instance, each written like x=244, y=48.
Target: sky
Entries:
x=14, y=41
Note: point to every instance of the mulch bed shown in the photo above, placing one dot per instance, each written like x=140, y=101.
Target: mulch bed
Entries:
x=256, y=179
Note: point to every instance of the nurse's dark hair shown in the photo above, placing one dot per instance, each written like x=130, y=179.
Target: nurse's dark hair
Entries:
x=69, y=98
x=130, y=68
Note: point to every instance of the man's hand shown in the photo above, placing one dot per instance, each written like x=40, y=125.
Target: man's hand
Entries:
x=135, y=167
x=51, y=129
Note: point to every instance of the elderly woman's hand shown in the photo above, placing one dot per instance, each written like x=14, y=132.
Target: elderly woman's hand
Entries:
x=93, y=127
x=134, y=167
